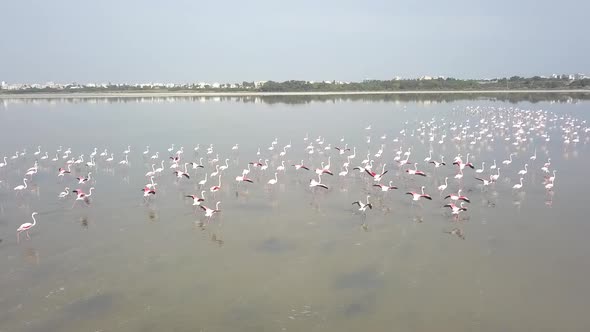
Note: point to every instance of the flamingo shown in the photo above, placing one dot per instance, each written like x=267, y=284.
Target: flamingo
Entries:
x=438, y=164
x=256, y=163
x=180, y=173
x=152, y=172
x=273, y=181
x=128, y=150
x=327, y=167
x=323, y=170
x=314, y=183
x=171, y=148
x=159, y=169
x=480, y=170
x=26, y=227
x=214, y=174
x=155, y=156
x=104, y=153
x=281, y=167
x=147, y=150
x=62, y=171
x=493, y=167
x=81, y=196
x=46, y=156
x=300, y=166
x=4, y=163
x=284, y=152
x=549, y=186
x=235, y=147
x=534, y=156
x=415, y=171
x=455, y=210
x=518, y=185
x=198, y=165
x=363, y=206
x=508, y=161
x=427, y=159
x=147, y=192
x=546, y=166
x=243, y=178
x=552, y=178
x=523, y=171
x=458, y=197
x=31, y=172
x=151, y=185
x=416, y=196
x=79, y=160
x=204, y=181
x=217, y=187
x=377, y=177
x=124, y=162
x=485, y=182
x=111, y=158
x=21, y=187
x=495, y=177
x=91, y=163
x=265, y=166
x=224, y=167
x=64, y=193
x=342, y=150
x=385, y=187
x=344, y=172
x=353, y=155
x=246, y=171
x=209, y=212
x=442, y=187
x=85, y=179
x=197, y=200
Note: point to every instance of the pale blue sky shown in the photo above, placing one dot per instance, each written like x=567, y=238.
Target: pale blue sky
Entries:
x=188, y=41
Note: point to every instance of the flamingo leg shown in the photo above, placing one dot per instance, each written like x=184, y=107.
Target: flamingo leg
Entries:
x=28, y=236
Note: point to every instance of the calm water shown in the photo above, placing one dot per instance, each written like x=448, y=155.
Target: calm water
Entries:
x=288, y=258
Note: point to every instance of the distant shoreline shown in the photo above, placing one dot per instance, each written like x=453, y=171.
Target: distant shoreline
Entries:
x=58, y=95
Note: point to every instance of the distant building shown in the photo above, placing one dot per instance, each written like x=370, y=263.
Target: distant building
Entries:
x=258, y=84
x=3, y=85
x=579, y=76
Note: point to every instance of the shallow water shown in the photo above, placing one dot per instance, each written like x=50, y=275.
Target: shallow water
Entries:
x=287, y=257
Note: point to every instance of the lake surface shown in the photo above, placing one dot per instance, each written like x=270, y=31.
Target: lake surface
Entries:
x=289, y=257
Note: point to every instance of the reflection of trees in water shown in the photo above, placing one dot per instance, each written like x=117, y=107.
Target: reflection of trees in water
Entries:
x=430, y=98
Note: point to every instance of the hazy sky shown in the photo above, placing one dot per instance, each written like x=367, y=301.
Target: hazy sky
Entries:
x=188, y=41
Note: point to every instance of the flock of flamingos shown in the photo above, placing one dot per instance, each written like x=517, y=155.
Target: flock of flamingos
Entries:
x=389, y=162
